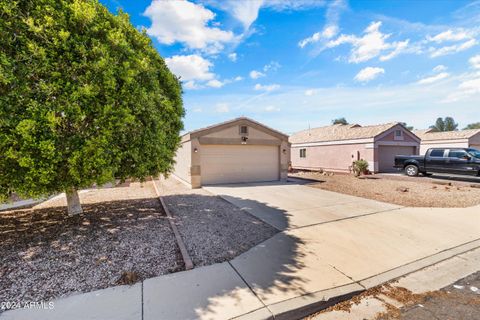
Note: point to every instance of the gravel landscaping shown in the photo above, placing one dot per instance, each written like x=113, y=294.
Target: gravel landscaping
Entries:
x=213, y=229
x=123, y=236
x=415, y=192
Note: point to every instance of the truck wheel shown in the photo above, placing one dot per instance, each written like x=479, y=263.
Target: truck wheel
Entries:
x=411, y=170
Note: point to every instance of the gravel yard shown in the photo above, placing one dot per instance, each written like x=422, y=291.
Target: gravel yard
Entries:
x=123, y=236
x=416, y=192
x=213, y=229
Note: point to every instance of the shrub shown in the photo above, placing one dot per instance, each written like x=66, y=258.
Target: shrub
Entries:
x=360, y=167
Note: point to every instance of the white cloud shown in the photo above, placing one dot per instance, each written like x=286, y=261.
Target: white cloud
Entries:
x=254, y=74
x=215, y=83
x=368, y=74
x=331, y=28
x=246, y=12
x=449, y=35
x=191, y=67
x=310, y=92
x=238, y=78
x=467, y=88
x=372, y=44
x=232, y=57
x=437, y=52
x=192, y=85
x=267, y=88
x=399, y=47
x=272, y=66
x=194, y=71
x=186, y=22
x=271, y=108
x=439, y=68
x=222, y=108
x=475, y=61
x=435, y=78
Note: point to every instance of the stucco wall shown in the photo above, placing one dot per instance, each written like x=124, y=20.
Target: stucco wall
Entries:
x=475, y=141
x=442, y=144
x=183, y=161
x=233, y=132
x=330, y=157
x=390, y=136
x=230, y=135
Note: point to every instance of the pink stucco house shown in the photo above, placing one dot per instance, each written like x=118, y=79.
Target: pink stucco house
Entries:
x=335, y=147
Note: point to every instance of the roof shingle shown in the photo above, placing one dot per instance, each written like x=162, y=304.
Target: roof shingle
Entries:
x=340, y=132
x=446, y=135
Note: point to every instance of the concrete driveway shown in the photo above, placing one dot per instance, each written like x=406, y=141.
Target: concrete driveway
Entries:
x=293, y=204
x=332, y=241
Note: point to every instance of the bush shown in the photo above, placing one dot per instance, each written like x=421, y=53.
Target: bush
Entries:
x=360, y=167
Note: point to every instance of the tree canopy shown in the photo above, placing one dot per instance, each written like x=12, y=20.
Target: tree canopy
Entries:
x=475, y=125
x=84, y=98
x=340, y=121
x=447, y=124
x=410, y=128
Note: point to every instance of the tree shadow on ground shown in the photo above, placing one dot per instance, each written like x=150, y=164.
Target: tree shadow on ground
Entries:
x=279, y=257
x=47, y=253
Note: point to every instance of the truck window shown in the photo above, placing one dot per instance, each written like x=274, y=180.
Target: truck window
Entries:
x=457, y=154
x=437, y=153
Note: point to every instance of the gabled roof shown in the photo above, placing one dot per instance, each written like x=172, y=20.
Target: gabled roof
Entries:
x=339, y=132
x=225, y=124
x=446, y=135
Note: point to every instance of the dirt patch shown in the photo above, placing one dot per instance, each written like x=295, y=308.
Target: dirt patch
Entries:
x=212, y=229
x=413, y=193
x=122, y=237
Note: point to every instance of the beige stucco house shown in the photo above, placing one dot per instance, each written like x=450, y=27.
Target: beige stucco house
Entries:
x=448, y=139
x=239, y=150
x=336, y=147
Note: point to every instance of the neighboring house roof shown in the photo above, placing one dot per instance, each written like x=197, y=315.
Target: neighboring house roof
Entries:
x=225, y=124
x=446, y=135
x=339, y=132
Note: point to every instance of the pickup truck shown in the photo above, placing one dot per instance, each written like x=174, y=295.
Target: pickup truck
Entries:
x=463, y=161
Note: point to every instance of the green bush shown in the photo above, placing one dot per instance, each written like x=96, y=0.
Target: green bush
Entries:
x=360, y=167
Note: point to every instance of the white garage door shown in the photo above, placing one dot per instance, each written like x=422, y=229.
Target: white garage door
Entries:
x=239, y=163
x=386, y=156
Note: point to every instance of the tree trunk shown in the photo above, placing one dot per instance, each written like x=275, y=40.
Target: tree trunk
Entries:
x=73, y=202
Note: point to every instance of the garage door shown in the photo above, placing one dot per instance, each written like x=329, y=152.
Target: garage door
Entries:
x=239, y=163
x=386, y=156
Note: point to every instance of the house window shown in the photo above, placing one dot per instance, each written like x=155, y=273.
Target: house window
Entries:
x=243, y=130
x=398, y=135
x=303, y=153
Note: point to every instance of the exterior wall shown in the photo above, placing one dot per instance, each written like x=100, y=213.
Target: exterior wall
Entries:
x=183, y=161
x=389, y=139
x=189, y=167
x=330, y=157
x=474, y=142
x=461, y=143
x=233, y=132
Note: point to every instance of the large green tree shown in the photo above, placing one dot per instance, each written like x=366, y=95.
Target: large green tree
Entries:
x=84, y=99
x=447, y=124
x=475, y=125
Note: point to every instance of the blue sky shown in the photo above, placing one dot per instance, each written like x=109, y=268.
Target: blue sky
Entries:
x=295, y=63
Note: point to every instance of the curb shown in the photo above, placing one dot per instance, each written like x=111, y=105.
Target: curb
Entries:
x=181, y=245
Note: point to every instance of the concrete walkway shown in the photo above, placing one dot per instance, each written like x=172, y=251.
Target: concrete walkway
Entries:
x=331, y=246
